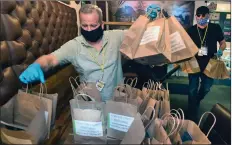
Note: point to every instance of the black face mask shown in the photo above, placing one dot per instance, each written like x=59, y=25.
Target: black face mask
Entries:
x=93, y=35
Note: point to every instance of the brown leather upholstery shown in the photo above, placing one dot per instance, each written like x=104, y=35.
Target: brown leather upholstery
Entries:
x=221, y=133
x=30, y=29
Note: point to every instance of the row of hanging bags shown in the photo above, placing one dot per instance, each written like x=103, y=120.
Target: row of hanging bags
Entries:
x=158, y=42
x=156, y=96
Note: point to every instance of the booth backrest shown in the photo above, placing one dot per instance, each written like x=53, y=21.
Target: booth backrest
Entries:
x=30, y=29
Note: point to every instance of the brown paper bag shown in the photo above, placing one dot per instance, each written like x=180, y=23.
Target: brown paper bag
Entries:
x=190, y=66
x=133, y=36
x=136, y=132
x=119, y=118
x=216, y=69
x=88, y=122
x=27, y=105
x=88, y=88
x=182, y=46
x=163, y=102
x=92, y=91
x=126, y=94
x=30, y=113
x=54, y=98
x=154, y=47
x=173, y=122
x=147, y=43
x=164, y=105
x=197, y=136
x=16, y=137
x=157, y=132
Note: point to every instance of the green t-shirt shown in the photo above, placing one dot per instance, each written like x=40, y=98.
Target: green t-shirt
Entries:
x=78, y=52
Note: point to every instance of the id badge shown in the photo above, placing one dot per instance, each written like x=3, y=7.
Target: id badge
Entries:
x=204, y=50
x=100, y=85
x=200, y=52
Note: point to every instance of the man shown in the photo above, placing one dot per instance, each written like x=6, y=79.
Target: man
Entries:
x=205, y=35
x=95, y=54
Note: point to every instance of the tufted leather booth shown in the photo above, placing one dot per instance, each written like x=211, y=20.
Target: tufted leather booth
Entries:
x=30, y=29
x=221, y=133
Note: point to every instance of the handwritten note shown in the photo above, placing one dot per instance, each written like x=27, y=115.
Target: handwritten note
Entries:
x=87, y=128
x=177, y=42
x=151, y=34
x=120, y=122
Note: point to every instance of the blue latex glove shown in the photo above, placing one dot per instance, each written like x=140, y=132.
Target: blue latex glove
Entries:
x=32, y=73
x=219, y=53
x=155, y=9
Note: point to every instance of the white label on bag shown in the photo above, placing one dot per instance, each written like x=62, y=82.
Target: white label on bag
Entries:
x=120, y=122
x=151, y=34
x=46, y=116
x=177, y=42
x=87, y=128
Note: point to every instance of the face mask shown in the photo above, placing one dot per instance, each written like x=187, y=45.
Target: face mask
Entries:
x=93, y=35
x=203, y=21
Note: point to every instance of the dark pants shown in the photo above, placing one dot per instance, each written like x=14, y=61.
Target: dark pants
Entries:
x=197, y=94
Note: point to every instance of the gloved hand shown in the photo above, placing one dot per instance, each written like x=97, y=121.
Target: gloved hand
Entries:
x=219, y=53
x=154, y=9
x=32, y=73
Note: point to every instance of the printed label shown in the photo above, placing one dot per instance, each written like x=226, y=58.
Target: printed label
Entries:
x=151, y=34
x=177, y=42
x=120, y=122
x=87, y=128
x=46, y=116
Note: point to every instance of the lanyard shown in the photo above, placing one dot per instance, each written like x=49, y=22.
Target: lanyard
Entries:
x=102, y=66
x=202, y=41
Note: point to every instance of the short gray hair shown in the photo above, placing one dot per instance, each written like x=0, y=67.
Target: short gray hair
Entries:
x=89, y=8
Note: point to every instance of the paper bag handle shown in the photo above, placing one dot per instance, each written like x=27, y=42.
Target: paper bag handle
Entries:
x=153, y=116
x=76, y=98
x=174, y=122
x=179, y=117
x=132, y=82
x=72, y=86
x=215, y=119
x=127, y=93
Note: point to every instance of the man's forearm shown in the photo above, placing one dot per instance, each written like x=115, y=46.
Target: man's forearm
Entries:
x=45, y=62
x=222, y=45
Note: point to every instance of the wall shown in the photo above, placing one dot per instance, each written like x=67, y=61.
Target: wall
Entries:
x=76, y=6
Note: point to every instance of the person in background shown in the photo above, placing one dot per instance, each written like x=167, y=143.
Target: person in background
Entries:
x=94, y=54
x=205, y=35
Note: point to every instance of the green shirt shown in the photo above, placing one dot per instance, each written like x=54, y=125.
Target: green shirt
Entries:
x=78, y=52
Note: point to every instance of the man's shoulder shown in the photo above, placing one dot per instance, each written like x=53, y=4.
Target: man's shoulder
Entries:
x=110, y=32
x=192, y=27
x=114, y=35
x=213, y=25
x=78, y=39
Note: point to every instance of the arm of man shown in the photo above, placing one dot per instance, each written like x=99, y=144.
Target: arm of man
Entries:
x=63, y=55
x=222, y=45
x=221, y=40
x=47, y=61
